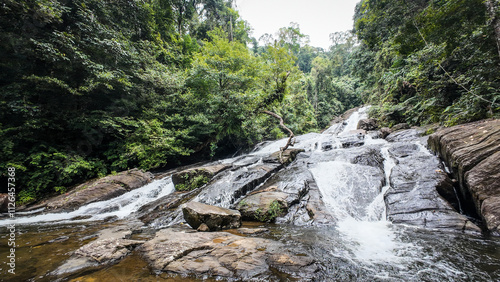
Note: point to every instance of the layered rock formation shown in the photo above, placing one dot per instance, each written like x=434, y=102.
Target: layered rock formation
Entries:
x=472, y=151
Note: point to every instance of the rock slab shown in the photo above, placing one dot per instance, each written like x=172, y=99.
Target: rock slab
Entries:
x=99, y=190
x=223, y=255
x=211, y=217
x=472, y=151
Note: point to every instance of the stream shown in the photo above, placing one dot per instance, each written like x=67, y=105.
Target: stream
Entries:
x=362, y=236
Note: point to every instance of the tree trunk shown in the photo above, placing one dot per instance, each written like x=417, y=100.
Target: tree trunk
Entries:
x=493, y=7
x=282, y=124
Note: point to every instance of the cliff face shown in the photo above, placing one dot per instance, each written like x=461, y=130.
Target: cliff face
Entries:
x=472, y=151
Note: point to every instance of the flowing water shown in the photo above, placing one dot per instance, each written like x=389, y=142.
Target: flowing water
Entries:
x=359, y=245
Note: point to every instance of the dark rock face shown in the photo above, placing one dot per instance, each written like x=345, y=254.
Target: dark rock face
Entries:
x=384, y=132
x=223, y=255
x=4, y=202
x=214, y=218
x=367, y=124
x=413, y=197
x=99, y=190
x=472, y=153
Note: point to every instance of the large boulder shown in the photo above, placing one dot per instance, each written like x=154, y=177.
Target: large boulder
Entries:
x=99, y=190
x=472, y=152
x=367, y=124
x=413, y=197
x=193, y=178
x=225, y=256
x=264, y=206
x=211, y=217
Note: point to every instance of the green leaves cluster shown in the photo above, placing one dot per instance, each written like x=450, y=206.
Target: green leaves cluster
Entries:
x=429, y=61
x=89, y=87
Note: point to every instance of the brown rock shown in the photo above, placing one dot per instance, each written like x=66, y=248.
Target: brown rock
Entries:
x=193, y=178
x=99, y=190
x=472, y=152
x=215, y=218
x=384, y=132
x=222, y=254
x=367, y=124
x=265, y=206
x=4, y=202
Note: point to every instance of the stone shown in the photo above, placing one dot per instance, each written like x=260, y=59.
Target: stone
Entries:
x=472, y=152
x=400, y=126
x=384, y=132
x=404, y=135
x=215, y=218
x=264, y=206
x=4, y=202
x=353, y=138
x=413, y=197
x=110, y=247
x=224, y=256
x=98, y=190
x=193, y=178
x=367, y=124
x=203, y=228
x=287, y=156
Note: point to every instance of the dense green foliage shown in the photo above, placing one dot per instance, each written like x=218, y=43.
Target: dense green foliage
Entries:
x=429, y=60
x=89, y=87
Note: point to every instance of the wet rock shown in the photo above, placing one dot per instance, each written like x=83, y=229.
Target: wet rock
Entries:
x=193, y=178
x=367, y=124
x=252, y=231
x=232, y=185
x=404, y=135
x=215, y=218
x=384, y=132
x=403, y=150
x=472, y=153
x=370, y=157
x=223, y=255
x=400, y=126
x=286, y=157
x=264, y=206
x=4, y=202
x=354, y=138
x=99, y=190
x=413, y=197
x=484, y=182
x=110, y=247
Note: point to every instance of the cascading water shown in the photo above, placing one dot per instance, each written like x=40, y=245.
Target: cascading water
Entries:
x=121, y=206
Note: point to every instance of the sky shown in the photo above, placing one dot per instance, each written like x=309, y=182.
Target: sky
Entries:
x=317, y=18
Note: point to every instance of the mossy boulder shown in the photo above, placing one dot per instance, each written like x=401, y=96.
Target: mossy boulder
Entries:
x=191, y=179
x=264, y=206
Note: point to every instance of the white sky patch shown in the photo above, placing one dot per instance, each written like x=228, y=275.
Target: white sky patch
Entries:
x=317, y=18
